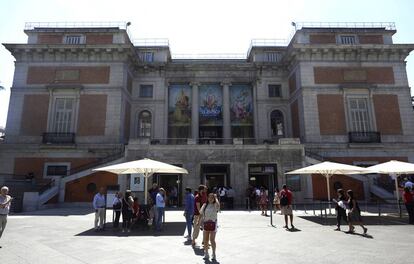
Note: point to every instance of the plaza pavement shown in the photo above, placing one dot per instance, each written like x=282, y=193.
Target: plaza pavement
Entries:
x=65, y=236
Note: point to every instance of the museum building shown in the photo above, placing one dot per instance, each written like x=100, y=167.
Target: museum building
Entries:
x=85, y=96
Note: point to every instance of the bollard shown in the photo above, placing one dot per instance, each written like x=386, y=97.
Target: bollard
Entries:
x=379, y=208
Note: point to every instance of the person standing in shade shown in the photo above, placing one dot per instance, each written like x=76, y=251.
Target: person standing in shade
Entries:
x=198, y=203
x=5, y=202
x=99, y=204
x=340, y=209
x=230, y=197
x=276, y=201
x=189, y=211
x=286, y=198
x=117, y=207
x=209, y=213
x=160, y=207
x=354, y=215
x=409, y=204
x=263, y=201
x=127, y=203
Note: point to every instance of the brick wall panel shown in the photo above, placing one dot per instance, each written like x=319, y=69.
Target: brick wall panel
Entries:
x=322, y=39
x=387, y=114
x=34, y=114
x=92, y=115
x=87, y=75
x=338, y=75
x=294, y=109
x=371, y=39
x=127, y=121
x=50, y=39
x=292, y=83
x=76, y=191
x=94, y=39
x=331, y=114
x=319, y=186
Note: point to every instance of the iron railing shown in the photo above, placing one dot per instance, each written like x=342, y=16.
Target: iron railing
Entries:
x=213, y=141
x=114, y=24
x=269, y=42
x=151, y=42
x=58, y=138
x=385, y=25
x=364, y=137
x=210, y=56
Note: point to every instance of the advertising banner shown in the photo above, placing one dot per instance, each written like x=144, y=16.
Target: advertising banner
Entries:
x=179, y=105
x=241, y=105
x=210, y=105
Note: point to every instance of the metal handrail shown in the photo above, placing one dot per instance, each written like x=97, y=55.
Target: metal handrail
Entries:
x=268, y=42
x=210, y=56
x=118, y=24
x=385, y=25
x=150, y=42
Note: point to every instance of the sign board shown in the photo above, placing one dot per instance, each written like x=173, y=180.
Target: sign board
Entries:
x=137, y=182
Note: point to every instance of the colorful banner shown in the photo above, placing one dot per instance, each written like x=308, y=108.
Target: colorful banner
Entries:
x=179, y=105
x=210, y=98
x=241, y=105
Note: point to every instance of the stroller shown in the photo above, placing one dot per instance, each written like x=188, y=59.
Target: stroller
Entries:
x=142, y=218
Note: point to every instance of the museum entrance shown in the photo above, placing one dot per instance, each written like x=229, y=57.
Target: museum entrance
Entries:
x=261, y=175
x=172, y=183
x=215, y=175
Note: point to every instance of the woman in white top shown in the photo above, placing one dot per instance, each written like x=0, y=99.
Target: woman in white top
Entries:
x=209, y=215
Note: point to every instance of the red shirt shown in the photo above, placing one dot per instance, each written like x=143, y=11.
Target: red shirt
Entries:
x=204, y=198
x=408, y=197
x=197, y=199
x=288, y=194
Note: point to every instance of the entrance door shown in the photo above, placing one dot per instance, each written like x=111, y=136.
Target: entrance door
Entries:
x=172, y=185
x=259, y=180
x=215, y=179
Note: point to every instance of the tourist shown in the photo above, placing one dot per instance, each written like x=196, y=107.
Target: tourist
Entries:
x=198, y=203
x=173, y=197
x=135, y=210
x=286, y=198
x=160, y=207
x=409, y=204
x=263, y=200
x=189, y=211
x=230, y=197
x=152, y=195
x=222, y=192
x=354, y=215
x=209, y=213
x=117, y=207
x=340, y=209
x=276, y=201
x=127, y=203
x=99, y=204
x=5, y=202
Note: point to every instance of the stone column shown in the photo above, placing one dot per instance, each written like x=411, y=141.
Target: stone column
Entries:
x=255, y=112
x=194, y=111
x=226, y=112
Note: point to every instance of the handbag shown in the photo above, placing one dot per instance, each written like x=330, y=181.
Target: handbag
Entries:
x=209, y=226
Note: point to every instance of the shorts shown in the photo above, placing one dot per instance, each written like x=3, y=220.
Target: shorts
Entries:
x=286, y=210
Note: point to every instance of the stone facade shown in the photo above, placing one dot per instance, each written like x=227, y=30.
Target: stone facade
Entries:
x=81, y=94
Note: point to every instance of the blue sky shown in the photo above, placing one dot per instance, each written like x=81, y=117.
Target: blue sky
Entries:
x=194, y=26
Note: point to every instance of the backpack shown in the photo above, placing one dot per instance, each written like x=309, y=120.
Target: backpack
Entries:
x=284, y=201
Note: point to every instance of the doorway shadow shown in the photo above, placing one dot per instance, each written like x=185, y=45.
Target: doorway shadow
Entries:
x=58, y=212
x=368, y=220
x=168, y=229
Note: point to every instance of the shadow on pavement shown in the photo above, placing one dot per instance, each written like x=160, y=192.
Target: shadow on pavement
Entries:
x=59, y=212
x=368, y=220
x=361, y=235
x=168, y=229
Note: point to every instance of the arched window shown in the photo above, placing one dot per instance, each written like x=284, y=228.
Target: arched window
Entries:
x=276, y=124
x=144, y=124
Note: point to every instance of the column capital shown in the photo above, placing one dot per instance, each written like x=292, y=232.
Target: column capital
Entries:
x=225, y=83
x=195, y=83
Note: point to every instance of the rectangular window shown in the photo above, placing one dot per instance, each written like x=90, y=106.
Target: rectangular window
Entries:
x=145, y=91
x=272, y=56
x=147, y=56
x=73, y=39
x=63, y=115
x=274, y=90
x=56, y=170
x=359, y=116
x=293, y=183
x=349, y=40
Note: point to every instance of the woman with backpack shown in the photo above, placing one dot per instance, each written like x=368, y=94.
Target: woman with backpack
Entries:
x=208, y=213
x=117, y=207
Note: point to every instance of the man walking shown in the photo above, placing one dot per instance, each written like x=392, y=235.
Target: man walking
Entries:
x=159, y=206
x=99, y=205
x=5, y=201
x=189, y=211
x=199, y=200
x=286, y=197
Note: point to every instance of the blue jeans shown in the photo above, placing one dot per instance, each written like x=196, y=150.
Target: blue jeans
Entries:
x=189, y=222
x=159, y=216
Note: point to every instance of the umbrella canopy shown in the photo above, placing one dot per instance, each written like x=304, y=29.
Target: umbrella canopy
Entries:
x=144, y=166
x=147, y=167
x=327, y=169
x=393, y=168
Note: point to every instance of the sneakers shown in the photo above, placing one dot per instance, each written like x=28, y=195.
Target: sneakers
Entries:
x=337, y=229
x=213, y=257
x=206, y=256
x=365, y=230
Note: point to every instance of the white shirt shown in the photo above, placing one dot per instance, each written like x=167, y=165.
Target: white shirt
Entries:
x=408, y=184
x=210, y=212
x=6, y=209
x=99, y=201
x=159, y=200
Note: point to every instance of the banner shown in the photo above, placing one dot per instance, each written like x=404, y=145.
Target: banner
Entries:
x=211, y=105
x=241, y=105
x=179, y=105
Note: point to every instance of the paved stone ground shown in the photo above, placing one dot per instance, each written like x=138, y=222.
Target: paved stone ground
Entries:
x=65, y=236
